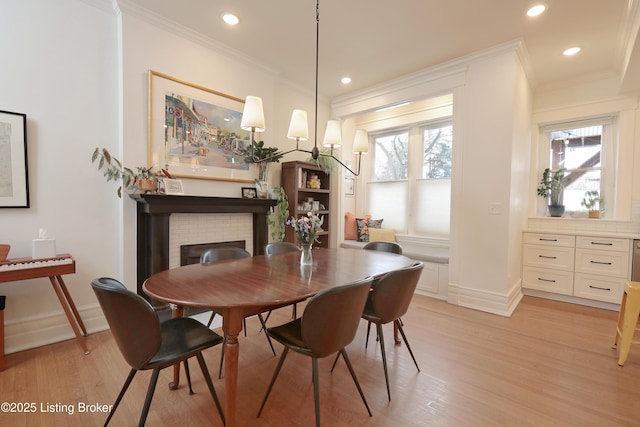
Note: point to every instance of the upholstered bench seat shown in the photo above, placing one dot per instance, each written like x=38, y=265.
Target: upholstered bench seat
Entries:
x=434, y=255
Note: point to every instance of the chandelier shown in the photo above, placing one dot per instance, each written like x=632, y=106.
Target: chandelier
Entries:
x=253, y=121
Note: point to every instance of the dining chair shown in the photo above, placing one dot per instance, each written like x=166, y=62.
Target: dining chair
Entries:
x=222, y=253
x=388, y=301
x=145, y=343
x=390, y=247
x=276, y=248
x=328, y=324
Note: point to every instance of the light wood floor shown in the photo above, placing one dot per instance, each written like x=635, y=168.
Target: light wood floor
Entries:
x=550, y=364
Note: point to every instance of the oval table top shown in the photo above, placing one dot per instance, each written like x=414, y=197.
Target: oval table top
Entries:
x=268, y=280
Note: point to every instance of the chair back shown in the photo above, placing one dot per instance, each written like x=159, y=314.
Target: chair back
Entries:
x=391, y=247
x=133, y=322
x=276, y=248
x=330, y=319
x=221, y=253
x=392, y=293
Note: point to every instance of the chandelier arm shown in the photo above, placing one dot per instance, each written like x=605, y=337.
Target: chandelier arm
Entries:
x=343, y=165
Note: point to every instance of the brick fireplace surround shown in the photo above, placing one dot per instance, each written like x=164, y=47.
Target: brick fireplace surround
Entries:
x=153, y=226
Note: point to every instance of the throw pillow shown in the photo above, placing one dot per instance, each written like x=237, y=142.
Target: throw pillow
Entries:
x=364, y=224
x=382, y=234
x=350, y=227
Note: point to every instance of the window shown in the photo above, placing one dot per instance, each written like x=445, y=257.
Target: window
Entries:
x=410, y=186
x=586, y=150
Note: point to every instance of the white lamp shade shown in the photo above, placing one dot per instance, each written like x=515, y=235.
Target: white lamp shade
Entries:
x=361, y=141
x=253, y=114
x=333, y=134
x=298, y=127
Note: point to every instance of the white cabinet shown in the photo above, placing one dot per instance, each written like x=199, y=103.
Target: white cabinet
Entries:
x=576, y=265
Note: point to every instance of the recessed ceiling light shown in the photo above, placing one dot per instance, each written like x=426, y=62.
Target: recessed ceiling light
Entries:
x=571, y=51
x=536, y=10
x=230, y=18
x=346, y=80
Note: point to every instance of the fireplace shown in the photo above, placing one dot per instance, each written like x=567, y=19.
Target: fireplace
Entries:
x=190, y=254
x=153, y=226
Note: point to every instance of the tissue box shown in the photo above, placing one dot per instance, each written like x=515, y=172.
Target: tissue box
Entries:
x=44, y=248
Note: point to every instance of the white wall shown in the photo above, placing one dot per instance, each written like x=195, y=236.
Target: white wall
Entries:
x=59, y=67
x=79, y=70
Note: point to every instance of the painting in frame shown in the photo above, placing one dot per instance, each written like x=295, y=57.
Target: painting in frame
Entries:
x=14, y=179
x=194, y=132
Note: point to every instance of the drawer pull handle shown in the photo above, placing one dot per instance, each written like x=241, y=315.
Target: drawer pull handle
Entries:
x=547, y=257
x=548, y=240
x=600, y=262
x=598, y=287
x=602, y=243
x=546, y=280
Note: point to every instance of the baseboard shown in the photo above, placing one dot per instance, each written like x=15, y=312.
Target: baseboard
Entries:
x=491, y=302
x=28, y=333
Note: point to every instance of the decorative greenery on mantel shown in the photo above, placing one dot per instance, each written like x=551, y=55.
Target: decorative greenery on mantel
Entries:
x=113, y=170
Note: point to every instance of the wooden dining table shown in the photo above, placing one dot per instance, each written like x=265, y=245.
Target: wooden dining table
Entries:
x=240, y=288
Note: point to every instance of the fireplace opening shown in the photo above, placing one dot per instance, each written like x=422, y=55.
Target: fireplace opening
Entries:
x=190, y=254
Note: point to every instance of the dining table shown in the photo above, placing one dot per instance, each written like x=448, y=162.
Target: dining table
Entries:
x=240, y=288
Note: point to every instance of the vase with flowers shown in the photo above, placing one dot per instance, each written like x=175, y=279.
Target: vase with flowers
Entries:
x=307, y=228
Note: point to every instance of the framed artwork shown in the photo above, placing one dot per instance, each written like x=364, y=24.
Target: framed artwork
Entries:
x=194, y=132
x=172, y=186
x=14, y=179
x=249, y=193
x=348, y=186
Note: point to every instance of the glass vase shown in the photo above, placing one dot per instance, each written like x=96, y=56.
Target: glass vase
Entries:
x=306, y=258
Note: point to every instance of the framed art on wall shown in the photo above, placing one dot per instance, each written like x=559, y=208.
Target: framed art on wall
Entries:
x=14, y=179
x=194, y=132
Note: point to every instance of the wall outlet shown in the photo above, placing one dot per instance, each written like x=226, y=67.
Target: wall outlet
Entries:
x=495, y=208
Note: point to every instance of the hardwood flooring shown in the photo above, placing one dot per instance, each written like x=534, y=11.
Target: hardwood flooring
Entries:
x=550, y=364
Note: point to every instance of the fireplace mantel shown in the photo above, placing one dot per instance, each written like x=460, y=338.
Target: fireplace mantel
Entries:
x=153, y=211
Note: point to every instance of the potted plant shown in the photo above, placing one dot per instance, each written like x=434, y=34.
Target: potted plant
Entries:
x=277, y=220
x=551, y=186
x=326, y=163
x=592, y=201
x=260, y=152
x=142, y=180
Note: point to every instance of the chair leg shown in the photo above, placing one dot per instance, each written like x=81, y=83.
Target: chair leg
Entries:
x=294, y=311
x=147, y=400
x=213, y=315
x=406, y=342
x=207, y=378
x=366, y=342
x=384, y=358
x=273, y=379
x=132, y=373
x=316, y=388
x=335, y=361
x=264, y=326
x=266, y=319
x=355, y=379
x=224, y=341
x=188, y=375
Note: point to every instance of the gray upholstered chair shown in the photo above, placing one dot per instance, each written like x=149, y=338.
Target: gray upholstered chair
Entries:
x=391, y=247
x=276, y=248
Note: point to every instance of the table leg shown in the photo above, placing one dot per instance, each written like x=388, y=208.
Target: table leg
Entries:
x=176, y=311
x=57, y=287
x=231, y=325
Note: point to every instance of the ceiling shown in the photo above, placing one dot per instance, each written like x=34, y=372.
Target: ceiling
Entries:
x=376, y=40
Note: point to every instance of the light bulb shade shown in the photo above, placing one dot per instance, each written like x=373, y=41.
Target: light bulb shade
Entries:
x=253, y=114
x=361, y=141
x=333, y=134
x=298, y=127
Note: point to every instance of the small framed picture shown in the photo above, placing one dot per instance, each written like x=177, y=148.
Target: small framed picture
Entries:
x=172, y=186
x=249, y=193
x=348, y=187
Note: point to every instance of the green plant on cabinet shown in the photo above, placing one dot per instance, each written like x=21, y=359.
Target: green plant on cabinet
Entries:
x=113, y=170
x=277, y=220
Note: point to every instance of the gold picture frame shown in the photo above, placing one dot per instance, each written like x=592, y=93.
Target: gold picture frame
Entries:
x=194, y=132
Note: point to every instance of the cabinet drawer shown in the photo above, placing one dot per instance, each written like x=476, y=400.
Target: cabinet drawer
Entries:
x=543, y=279
x=598, y=288
x=608, y=263
x=548, y=256
x=603, y=243
x=549, y=239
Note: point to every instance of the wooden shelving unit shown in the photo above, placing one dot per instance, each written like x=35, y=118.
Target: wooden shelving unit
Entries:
x=294, y=181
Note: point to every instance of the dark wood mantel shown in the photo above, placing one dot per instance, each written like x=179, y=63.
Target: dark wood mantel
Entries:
x=153, y=211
